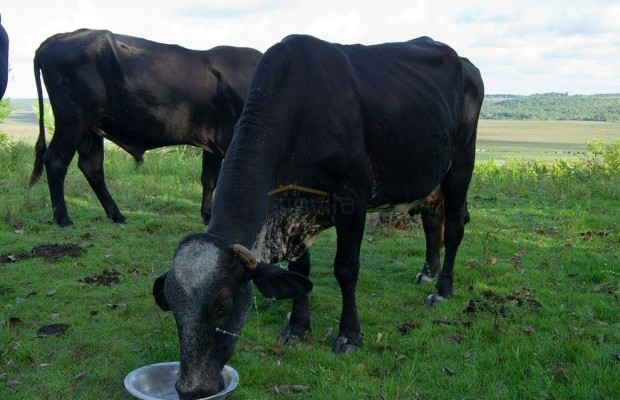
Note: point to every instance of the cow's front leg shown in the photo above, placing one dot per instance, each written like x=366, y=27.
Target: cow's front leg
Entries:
x=299, y=322
x=57, y=158
x=350, y=230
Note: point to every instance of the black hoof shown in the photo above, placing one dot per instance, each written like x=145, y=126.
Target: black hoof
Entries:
x=344, y=345
x=118, y=219
x=292, y=334
x=433, y=299
x=65, y=222
x=422, y=277
x=444, y=287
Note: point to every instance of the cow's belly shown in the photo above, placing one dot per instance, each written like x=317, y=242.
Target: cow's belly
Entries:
x=407, y=166
x=413, y=185
x=431, y=200
x=149, y=127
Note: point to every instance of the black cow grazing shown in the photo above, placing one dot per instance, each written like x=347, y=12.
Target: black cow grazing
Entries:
x=4, y=59
x=328, y=132
x=139, y=94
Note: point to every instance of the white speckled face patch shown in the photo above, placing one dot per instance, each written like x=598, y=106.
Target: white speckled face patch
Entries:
x=195, y=263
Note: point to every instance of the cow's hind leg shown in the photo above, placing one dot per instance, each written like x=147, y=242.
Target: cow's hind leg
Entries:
x=299, y=322
x=433, y=224
x=211, y=164
x=57, y=158
x=349, y=230
x=91, y=164
x=457, y=215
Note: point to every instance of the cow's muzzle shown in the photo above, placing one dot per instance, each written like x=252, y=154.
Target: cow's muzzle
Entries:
x=200, y=389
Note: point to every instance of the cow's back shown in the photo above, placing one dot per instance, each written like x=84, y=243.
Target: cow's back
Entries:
x=472, y=99
x=234, y=65
x=143, y=94
x=380, y=117
x=412, y=96
x=125, y=66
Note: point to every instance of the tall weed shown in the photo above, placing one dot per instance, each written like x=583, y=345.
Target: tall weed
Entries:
x=5, y=109
x=9, y=151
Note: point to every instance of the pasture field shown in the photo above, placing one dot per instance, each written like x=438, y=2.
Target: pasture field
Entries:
x=540, y=140
x=534, y=316
x=497, y=139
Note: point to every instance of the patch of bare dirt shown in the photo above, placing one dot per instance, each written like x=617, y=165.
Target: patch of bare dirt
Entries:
x=105, y=278
x=407, y=326
x=12, y=257
x=56, y=251
x=48, y=251
x=499, y=305
x=52, y=330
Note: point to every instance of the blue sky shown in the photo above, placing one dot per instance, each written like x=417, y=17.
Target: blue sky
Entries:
x=520, y=46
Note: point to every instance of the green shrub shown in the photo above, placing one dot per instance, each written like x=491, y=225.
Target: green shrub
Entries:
x=5, y=109
x=601, y=158
x=8, y=148
x=604, y=157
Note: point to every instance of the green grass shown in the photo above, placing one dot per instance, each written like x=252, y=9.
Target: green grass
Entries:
x=535, y=312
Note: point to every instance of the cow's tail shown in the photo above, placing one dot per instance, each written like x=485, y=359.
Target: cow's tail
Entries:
x=41, y=146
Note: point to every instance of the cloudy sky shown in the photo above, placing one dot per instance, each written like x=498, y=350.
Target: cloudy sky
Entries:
x=520, y=46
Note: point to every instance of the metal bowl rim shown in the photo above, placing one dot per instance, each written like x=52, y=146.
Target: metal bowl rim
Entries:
x=234, y=380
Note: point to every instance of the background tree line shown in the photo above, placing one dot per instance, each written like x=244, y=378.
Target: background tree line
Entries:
x=553, y=106
x=536, y=107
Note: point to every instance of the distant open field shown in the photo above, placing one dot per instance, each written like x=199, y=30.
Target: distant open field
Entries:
x=497, y=139
x=540, y=140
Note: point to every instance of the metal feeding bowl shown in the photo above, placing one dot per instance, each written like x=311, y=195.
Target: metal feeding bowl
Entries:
x=156, y=382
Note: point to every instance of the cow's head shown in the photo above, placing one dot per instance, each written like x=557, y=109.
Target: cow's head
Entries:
x=209, y=291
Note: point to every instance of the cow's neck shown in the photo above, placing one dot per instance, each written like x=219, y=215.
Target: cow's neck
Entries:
x=244, y=210
x=247, y=176
x=240, y=203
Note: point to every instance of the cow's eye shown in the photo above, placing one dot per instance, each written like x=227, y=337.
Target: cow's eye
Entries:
x=220, y=313
x=221, y=306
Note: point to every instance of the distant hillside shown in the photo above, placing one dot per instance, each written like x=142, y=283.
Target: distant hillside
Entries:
x=24, y=104
x=552, y=106
x=538, y=107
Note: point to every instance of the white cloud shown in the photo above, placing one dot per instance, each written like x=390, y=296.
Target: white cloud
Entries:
x=525, y=46
x=339, y=27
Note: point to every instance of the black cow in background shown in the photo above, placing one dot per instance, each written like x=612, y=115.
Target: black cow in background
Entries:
x=4, y=59
x=139, y=94
x=328, y=132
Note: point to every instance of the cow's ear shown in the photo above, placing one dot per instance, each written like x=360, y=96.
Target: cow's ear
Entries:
x=276, y=282
x=159, y=294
